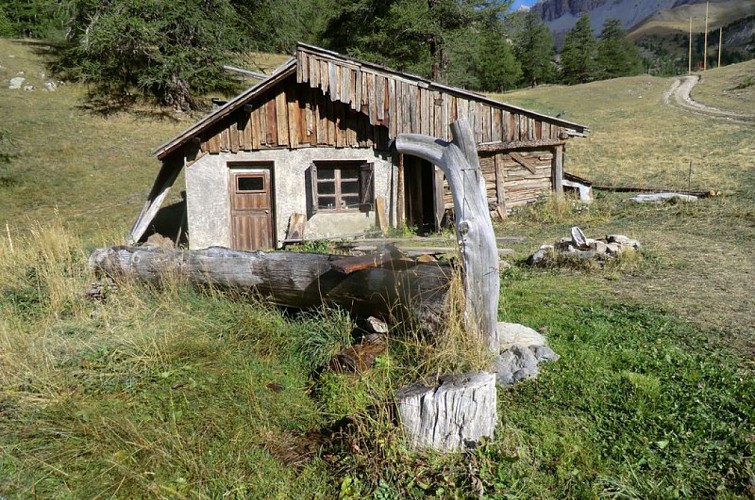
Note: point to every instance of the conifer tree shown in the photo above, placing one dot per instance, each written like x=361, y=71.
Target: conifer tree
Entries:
x=6, y=26
x=31, y=18
x=412, y=35
x=579, y=57
x=617, y=55
x=168, y=50
x=534, y=48
x=495, y=64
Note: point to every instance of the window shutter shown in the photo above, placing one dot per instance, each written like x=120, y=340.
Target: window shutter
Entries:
x=313, y=188
x=366, y=187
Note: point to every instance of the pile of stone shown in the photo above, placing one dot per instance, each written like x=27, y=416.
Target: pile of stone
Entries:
x=20, y=82
x=580, y=247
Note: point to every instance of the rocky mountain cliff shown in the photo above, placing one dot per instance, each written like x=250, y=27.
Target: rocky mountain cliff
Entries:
x=561, y=15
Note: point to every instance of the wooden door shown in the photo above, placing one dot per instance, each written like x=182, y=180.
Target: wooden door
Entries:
x=252, y=209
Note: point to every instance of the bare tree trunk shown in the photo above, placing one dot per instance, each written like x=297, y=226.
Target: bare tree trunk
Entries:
x=474, y=228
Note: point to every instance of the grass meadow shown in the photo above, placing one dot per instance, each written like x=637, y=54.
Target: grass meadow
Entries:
x=172, y=391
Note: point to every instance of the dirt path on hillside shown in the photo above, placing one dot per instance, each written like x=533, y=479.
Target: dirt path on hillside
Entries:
x=679, y=95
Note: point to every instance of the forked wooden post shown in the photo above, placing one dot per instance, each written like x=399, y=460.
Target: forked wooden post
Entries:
x=474, y=228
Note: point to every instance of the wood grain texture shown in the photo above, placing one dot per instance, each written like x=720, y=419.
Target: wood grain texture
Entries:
x=474, y=227
x=453, y=416
x=301, y=280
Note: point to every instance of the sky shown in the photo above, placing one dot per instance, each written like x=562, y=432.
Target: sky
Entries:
x=519, y=3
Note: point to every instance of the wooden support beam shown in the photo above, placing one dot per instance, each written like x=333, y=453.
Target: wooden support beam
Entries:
x=400, y=199
x=521, y=160
x=506, y=146
x=558, y=169
x=500, y=190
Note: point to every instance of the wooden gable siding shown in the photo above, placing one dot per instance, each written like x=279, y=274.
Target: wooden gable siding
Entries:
x=508, y=182
x=405, y=106
x=293, y=115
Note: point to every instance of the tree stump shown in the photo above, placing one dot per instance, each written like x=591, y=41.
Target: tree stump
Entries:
x=453, y=416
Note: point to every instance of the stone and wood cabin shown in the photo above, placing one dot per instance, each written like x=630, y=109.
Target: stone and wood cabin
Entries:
x=310, y=150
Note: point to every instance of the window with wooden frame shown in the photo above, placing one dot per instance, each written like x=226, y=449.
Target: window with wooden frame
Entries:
x=342, y=185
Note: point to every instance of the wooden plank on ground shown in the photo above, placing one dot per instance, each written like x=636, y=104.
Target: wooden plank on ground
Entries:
x=296, y=225
x=414, y=251
x=348, y=265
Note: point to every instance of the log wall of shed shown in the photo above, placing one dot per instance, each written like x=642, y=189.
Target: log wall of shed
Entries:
x=509, y=183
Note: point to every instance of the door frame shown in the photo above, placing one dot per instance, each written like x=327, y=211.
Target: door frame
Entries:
x=236, y=168
x=423, y=194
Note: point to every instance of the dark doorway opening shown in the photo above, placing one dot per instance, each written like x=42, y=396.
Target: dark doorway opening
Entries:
x=423, y=192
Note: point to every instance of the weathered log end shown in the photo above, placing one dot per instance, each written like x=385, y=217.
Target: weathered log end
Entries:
x=453, y=416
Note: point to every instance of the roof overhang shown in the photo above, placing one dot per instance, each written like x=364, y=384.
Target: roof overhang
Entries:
x=283, y=71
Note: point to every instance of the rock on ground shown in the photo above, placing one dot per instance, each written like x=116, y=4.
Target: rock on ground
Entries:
x=522, y=350
x=581, y=247
x=16, y=83
x=511, y=334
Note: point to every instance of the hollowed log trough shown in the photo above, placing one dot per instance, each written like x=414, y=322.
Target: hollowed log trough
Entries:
x=397, y=290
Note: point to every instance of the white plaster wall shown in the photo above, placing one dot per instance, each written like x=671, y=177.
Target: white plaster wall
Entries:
x=208, y=201
x=208, y=205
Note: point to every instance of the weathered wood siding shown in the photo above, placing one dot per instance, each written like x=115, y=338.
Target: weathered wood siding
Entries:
x=292, y=116
x=508, y=182
x=409, y=106
x=334, y=103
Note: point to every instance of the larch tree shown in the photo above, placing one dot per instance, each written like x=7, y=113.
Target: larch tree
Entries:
x=168, y=50
x=617, y=55
x=277, y=25
x=579, y=57
x=534, y=48
x=495, y=64
x=32, y=18
x=412, y=35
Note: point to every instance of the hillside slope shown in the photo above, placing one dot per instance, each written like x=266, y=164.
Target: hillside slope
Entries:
x=720, y=13
x=85, y=168
x=636, y=139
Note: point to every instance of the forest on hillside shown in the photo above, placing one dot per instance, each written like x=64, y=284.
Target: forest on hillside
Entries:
x=173, y=51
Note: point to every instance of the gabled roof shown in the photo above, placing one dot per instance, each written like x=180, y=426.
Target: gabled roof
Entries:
x=237, y=102
x=349, y=80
